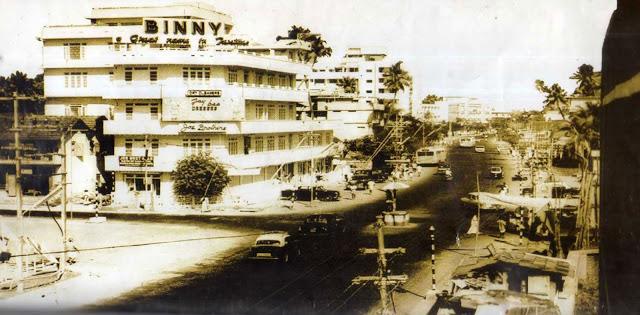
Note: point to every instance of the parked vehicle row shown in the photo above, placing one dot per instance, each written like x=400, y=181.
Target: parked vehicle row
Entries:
x=303, y=193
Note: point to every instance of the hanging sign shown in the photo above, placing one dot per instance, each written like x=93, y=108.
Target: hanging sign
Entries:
x=135, y=161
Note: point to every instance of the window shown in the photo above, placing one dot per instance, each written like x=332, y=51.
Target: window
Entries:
x=153, y=74
x=196, y=74
x=328, y=137
x=353, y=69
x=245, y=75
x=271, y=112
x=333, y=80
x=196, y=146
x=259, y=77
x=155, y=145
x=75, y=79
x=381, y=80
x=153, y=111
x=128, y=147
x=283, y=80
x=369, y=70
x=271, y=143
x=232, y=144
x=74, y=51
x=282, y=112
x=380, y=90
x=128, y=74
x=128, y=109
x=369, y=81
x=282, y=142
x=110, y=75
x=338, y=69
x=136, y=182
x=76, y=110
x=259, y=111
x=271, y=80
x=259, y=144
x=369, y=92
x=319, y=81
x=381, y=69
x=232, y=76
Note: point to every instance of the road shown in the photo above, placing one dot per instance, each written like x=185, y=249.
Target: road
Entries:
x=321, y=283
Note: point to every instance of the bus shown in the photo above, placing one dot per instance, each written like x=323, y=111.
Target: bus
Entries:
x=467, y=142
x=430, y=156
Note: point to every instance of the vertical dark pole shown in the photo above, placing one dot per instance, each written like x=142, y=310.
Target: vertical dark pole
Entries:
x=521, y=224
x=432, y=232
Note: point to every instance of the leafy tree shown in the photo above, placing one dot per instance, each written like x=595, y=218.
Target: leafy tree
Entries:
x=431, y=99
x=348, y=84
x=198, y=176
x=23, y=85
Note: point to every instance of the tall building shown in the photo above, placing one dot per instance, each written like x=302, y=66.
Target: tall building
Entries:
x=356, y=109
x=174, y=80
x=468, y=109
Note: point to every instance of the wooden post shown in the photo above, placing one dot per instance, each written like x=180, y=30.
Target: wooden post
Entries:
x=63, y=214
x=432, y=231
x=382, y=264
x=521, y=224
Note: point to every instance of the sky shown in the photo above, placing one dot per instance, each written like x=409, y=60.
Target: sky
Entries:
x=490, y=49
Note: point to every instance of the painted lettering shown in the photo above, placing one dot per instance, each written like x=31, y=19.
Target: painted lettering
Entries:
x=150, y=27
x=197, y=27
x=180, y=27
x=215, y=27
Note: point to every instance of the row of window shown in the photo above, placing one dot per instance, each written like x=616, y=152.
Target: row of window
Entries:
x=268, y=112
x=151, y=108
x=259, y=77
x=74, y=51
x=75, y=79
x=150, y=145
x=142, y=73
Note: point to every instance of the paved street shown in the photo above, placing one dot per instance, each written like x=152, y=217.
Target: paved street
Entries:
x=321, y=283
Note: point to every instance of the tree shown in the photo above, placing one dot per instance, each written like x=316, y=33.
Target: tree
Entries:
x=198, y=176
x=585, y=77
x=395, y=79
x=348, y=84
x=23, y=85
x=431, y=99
x=319, y=46
x=555, y=97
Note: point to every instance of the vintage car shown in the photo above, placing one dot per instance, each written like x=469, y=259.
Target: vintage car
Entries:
x=322, y=225
x=303, y=193
x=495, y=172
x=518, y=177
x=443, y=168
x=275, y=245
x=480, y=149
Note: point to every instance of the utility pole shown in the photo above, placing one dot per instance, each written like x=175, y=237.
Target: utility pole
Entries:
x=63, y=214
x=475, y=247
x=382, y=279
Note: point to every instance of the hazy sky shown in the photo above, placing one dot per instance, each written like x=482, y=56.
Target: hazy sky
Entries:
x=493, y=50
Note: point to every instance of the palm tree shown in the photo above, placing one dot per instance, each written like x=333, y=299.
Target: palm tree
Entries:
x=431, y=99
x=585, y=78
x=555, y=97
x=348, y=84
x=319, y=46
x=396, y=79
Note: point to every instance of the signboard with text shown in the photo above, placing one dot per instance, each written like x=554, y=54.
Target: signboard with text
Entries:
x=202, y=108
x=135, y=161
x=202, y=128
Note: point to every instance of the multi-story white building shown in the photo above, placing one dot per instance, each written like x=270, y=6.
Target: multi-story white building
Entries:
x=356, y=111
x=468, y=109
x=438, y=111
x=175, y=81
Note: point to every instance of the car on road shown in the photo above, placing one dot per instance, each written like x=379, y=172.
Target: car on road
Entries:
x=360, y=180
x=443, y=168
x=275, y=245
x=518, y=177
x=322, y=225
x=479, y=149
x=495, y=172
x=303, y=193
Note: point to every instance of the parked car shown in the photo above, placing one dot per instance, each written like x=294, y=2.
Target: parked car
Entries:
x=495, y=172
x=380, y=176
x=360, y=180
x=303, y=193
x=275, y=245
x=479, y=149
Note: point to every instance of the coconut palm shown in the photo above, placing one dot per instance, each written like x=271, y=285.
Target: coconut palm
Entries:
x=431, y=99
x=586, y=82
x=555, y=97
x=396, y=79
x=319, y=46
x=348, y=84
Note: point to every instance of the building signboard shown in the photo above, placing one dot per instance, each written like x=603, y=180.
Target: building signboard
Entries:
x=135, y=161
x=202, y=127
x=201, y=108
x=203, y=93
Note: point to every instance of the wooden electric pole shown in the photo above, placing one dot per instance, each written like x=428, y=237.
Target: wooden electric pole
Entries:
x=383, y=279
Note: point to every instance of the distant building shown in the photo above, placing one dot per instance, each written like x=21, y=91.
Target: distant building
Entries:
x=468, y=109
x=438, y=111
x=504, y=115
x=358, y=109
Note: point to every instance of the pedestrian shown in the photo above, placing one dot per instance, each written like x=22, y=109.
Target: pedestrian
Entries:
x=502, y=223
x=346, y=178
x=292, y=201
x=352, y=188
x=205, y=204
x=370, y=185
x=474, y=227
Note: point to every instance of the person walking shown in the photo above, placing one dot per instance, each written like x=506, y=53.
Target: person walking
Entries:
x=370, y=185
x=502, y=223
x=352, y=188
x=292, y=201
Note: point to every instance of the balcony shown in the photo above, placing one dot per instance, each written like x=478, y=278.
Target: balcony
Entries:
x=278, y=126
x=133, y=91
x=155, y=127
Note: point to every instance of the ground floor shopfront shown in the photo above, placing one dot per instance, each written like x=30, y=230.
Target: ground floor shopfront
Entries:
x=154, y=190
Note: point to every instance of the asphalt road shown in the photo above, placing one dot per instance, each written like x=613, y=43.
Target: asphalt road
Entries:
x=320, y=283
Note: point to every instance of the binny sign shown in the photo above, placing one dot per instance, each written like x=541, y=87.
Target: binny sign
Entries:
x=178, y=27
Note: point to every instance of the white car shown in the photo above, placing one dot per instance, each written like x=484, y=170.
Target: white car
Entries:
x=480, y=148
x=275, y=245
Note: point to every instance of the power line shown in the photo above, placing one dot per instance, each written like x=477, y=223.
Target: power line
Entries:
x=141, y=244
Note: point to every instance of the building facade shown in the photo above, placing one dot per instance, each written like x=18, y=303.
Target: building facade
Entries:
x=174, y=80
x=468, y=109
x=353, y=111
